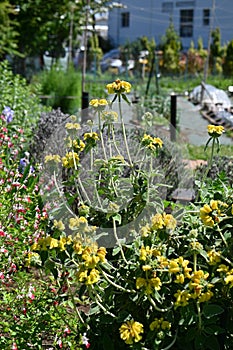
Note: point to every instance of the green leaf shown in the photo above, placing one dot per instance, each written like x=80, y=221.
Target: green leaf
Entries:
x=213, y=329
x=107, y=343
x=125, y=98
x=115, y=251
x=212, y=343
x=117, y=217
x=199, y=342
x=212, y=310
x=93, y=310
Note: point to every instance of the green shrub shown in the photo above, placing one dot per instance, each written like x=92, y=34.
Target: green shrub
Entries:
x=62, y=87
x=21, y=98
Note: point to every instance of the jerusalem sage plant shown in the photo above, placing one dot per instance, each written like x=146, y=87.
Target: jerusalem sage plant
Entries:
x=135, y=276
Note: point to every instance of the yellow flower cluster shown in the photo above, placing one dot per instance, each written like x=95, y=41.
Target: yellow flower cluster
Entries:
x=81, y=225
x=152, y=143
x=59, y=225
x=160, y=221
x=88, y=276
x=70, y=160
x=78, y=145
x=98, y=104
x=214, y=257
x=149, y=284
x=227, y=274
x=199, y=289
x=160, y=324
x=215, y=130
x=210, y=214
x=199, y=283
x=182, y=298
x=91, y=135
x=196, y=246
x=51, y=243
x=118, y=87
x=180, y=267
x=71, y=126
x=130, y=331
x=52, y=158
x=146, y=252
x=31, y=257
x=90, y=257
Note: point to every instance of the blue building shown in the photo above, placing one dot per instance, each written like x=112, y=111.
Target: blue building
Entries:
x=192, y=19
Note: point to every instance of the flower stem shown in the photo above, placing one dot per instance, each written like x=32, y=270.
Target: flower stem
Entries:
x=210, y=161
x=123, y=130
x=223, y=238
x=155, y=306
x=61, y=196
x=114, y=140
x=115, y=284
x=118, y=242
x=199, y=316
x=195, y=262
x=101, y=137
x=172, y=343
x=98, y=301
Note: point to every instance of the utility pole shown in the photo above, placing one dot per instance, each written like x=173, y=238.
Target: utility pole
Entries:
x=85, y=97
x=71, y=35
x=85, y=46
x=206, y=67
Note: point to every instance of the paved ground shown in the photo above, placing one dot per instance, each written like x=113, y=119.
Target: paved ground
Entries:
x=193, y=125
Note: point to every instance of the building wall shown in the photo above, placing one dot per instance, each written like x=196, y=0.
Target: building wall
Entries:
x=151, y=18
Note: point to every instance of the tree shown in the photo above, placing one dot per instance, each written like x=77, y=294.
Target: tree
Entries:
x=228, y=61
x=171, y=46
x=42, y=25
x=216, y=52
x=95, y=53
x=196, y=57
x=45, y=25
x=8, y=30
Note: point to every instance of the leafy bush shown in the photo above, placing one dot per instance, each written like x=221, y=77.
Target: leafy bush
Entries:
x=21, y=98
x=62, y=89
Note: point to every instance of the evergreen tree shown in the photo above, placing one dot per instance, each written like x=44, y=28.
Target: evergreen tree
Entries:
x=8, y=30
x=171, y=46
x=216, y=52
x=228, y=61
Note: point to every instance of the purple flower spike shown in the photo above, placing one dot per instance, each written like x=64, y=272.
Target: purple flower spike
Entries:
x=8, y=113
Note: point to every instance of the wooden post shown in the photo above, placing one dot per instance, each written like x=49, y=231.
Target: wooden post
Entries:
x=173, y=117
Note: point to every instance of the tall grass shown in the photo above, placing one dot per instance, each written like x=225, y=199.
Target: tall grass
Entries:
x=60, y=89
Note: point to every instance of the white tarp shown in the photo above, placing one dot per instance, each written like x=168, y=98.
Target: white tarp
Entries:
x=213, y=98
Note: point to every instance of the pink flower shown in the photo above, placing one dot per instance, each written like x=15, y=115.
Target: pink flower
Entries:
x=14, y=346
x=85, y=341
x=2, y=233
x=66, y=331
x=59, y=343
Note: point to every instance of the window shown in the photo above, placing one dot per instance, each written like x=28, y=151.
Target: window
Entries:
x=186, y=23
x=125, y=19
x=206, y=17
